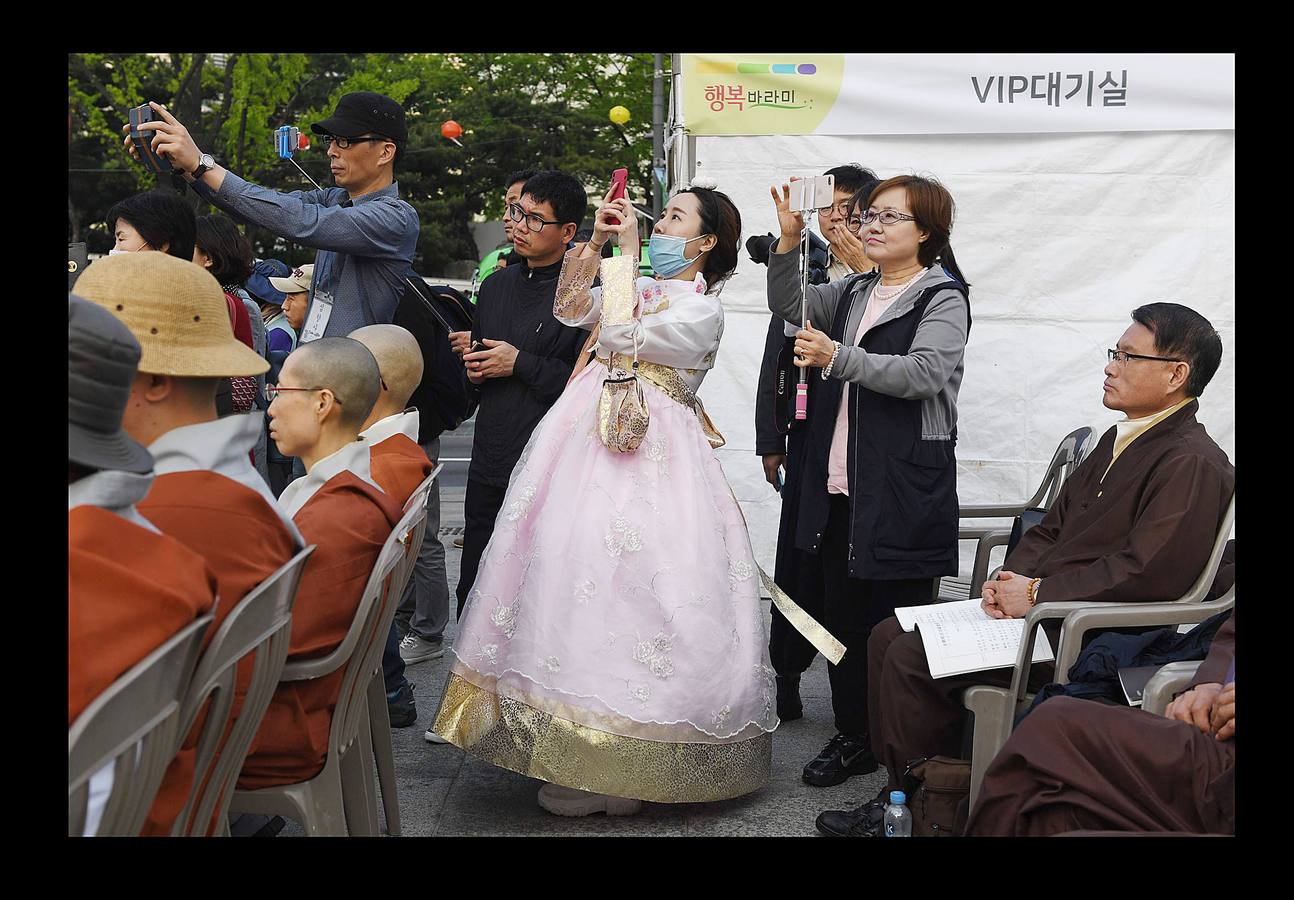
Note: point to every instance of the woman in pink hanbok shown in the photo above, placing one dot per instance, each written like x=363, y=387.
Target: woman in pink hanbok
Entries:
x=613, y=644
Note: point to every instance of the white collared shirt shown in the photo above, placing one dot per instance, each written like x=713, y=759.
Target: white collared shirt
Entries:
x=220, y=446
x=405, y=423
x=353, y=458
x=115, y=491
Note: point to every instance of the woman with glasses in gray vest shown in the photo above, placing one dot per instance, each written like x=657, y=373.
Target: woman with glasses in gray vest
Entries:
x=878, y=502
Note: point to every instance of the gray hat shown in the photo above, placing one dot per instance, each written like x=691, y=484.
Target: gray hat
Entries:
x=101, y=358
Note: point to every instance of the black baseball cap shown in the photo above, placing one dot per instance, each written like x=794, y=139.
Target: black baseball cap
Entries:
x=364, y=111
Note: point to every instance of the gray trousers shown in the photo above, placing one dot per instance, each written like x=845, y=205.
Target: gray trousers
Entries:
x=424, y=608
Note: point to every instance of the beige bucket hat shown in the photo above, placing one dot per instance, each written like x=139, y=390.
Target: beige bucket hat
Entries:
x=176, y=310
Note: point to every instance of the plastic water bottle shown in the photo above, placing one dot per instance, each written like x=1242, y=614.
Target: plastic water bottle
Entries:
x=898, y=818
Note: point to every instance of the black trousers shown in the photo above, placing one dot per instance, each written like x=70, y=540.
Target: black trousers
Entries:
x=788, y=650
x=851, y=607
x=481, y=507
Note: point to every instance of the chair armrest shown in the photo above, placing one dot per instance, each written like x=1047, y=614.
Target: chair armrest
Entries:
x=991, y=510
x=1126, y=615
x=1169, y=680
x=979, y=572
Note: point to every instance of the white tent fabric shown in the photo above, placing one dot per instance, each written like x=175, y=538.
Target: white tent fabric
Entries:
x=1061, y=236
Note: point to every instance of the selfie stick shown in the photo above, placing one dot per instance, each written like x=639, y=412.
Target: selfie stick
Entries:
x=305, y=173
x=802, y=387
x=288, y=140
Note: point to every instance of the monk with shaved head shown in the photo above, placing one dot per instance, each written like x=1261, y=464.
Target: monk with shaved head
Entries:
x=326, y=390
x=399, y=465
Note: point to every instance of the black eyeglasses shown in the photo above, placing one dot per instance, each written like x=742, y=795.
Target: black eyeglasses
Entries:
x=344, y=143
x=887, y=217
x=1122, y=356
x=273, y=390
x=842, y=207
x=533, y=221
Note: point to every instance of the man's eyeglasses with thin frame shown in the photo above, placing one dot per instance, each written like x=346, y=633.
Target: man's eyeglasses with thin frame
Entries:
x=533, y=221
x=1122, y=356
x=842, y=207
x=344, y=143
x=273, y=390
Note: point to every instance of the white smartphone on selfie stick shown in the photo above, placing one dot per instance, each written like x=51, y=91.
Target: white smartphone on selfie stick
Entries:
x=808, y=194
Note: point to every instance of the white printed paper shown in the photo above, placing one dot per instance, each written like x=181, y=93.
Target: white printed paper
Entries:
x=960, y=637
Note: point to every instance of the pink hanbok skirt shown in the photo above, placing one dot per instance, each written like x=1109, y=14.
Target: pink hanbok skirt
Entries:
x=614, y=640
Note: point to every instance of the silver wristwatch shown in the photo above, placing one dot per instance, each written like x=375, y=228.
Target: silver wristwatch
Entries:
x=205, y=163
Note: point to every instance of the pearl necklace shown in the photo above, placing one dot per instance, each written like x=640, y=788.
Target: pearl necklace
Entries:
x=886, y=292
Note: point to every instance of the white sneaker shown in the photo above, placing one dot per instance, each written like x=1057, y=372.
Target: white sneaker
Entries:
x=564, y=801
x=414, y=649
x=432, y=738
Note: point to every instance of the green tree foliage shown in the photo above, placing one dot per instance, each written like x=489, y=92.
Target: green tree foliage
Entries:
x=517, y=110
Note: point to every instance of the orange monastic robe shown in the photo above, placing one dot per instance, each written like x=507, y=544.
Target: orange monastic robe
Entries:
x=399, y=466
x=244, y=541
x=128, y=591
x=349, y=520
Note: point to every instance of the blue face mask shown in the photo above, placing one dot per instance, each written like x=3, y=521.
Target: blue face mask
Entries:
x=666, y=251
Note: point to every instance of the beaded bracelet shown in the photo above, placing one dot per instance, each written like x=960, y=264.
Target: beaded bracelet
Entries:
x=1033, y=590
x=826, y=373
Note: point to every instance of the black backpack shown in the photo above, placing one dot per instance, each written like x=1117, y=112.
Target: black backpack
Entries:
x=443, y=398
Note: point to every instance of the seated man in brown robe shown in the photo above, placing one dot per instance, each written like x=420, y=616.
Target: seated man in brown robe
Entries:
x=399, y=465
x=207, y=493
x=130, y=588
x=1134, y=523
x=325, y=392
x=1075, y=765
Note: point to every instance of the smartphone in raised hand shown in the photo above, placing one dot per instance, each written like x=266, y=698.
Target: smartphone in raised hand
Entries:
x=813, y=192
x=143, y=140
x=619, y=180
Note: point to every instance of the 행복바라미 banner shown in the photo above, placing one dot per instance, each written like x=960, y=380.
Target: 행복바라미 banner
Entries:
x=837, y=93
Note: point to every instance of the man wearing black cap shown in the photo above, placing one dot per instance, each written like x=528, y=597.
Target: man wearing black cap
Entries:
x=364, y=232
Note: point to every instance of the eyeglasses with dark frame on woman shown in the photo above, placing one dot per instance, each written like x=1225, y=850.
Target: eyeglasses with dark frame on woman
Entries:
x=887, y=216
x=273, y=390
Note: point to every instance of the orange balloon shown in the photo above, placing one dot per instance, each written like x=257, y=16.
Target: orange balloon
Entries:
x=451, y=129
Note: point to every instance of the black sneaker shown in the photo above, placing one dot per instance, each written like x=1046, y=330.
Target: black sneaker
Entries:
x=400, y=709
x=864, y=821
x=788, y=698
x=844, y=756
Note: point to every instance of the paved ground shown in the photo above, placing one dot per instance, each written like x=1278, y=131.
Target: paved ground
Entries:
x=444, y=791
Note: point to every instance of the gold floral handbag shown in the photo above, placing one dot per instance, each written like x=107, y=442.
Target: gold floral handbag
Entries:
x=622, y=408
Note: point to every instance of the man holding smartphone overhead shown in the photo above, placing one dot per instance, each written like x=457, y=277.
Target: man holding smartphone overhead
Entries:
x=520, y=355
x=364, y=233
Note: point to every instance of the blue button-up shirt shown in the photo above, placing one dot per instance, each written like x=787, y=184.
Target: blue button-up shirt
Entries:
x=365, y=247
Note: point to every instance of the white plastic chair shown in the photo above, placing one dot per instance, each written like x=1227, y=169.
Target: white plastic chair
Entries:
x=259, y=626
x=340, y=798
x=1070, y=452
x=379, y=719
x=995, y=707
x=134, y=725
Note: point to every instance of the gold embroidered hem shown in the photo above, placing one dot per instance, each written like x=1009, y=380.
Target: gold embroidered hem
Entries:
x=669, y=381
x=513, y=735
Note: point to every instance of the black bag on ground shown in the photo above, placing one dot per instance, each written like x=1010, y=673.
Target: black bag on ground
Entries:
x=938, y=792
x=430, y=311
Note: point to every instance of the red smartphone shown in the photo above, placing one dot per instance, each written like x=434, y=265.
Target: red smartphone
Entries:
x=619, y=178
